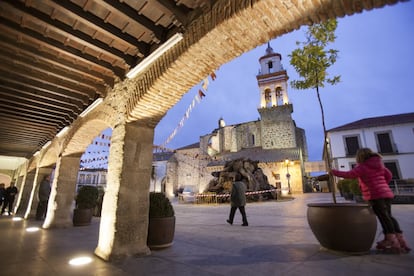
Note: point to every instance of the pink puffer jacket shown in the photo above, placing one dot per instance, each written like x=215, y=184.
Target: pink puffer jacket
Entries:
x=373, y=178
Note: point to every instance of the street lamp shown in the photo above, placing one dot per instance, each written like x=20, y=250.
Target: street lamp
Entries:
x=287, y=163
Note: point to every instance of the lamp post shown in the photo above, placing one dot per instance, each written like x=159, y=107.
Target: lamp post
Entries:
x=287, y=163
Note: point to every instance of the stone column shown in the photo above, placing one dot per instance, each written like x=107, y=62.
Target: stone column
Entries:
x=24, y=194
x=62, y=195
x=124, y=219
x=34, y=199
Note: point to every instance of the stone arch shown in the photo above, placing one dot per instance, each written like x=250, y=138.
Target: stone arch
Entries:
x=211, y=41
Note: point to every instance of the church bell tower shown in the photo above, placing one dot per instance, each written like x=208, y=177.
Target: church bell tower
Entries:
x=277, y=126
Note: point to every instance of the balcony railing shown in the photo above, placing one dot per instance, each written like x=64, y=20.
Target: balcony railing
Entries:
x=402, y=187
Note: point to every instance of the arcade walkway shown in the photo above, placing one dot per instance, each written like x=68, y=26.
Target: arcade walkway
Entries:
x=278, y=241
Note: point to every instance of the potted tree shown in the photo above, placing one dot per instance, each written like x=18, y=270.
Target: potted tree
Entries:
x=86, y=201
x=346, y=188
x=161, y=226
x=347, y=227
x=356, y=191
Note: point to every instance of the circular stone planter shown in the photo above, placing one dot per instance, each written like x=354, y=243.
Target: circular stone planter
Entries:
x=345, y=227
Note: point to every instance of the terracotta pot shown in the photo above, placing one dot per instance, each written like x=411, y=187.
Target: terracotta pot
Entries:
x=345, y=227
x=82, y=217
x=161, y=232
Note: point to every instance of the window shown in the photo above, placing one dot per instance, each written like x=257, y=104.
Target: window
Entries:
x=392, y=166
x=351, y=145
x=384, y=142
x=268, y=98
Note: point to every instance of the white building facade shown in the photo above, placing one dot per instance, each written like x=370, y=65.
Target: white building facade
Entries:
x=391, y=136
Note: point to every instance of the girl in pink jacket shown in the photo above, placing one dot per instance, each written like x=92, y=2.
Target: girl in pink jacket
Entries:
x=373, y=179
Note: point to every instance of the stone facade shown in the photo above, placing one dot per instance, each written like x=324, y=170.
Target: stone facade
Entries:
x=274, y=134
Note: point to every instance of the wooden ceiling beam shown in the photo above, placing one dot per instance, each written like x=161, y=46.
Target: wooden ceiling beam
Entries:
x=35, y=104
x=72, y=34
x=99, y=25
x=8, y=113
x=15, y=87
x=35, y=65
x=179, y=15
x=45, y=86
x=71, y=53
x=22, y=125
x=46, y=77
x=31, y=112
x=52, y=61
x=132, y=15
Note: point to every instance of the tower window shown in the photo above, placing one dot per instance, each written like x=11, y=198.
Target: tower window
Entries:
x=270, y=64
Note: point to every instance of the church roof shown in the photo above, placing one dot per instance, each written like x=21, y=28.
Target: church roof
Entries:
x=259, y=154
x=161, y=156
x=377, y=122
x=192, y=146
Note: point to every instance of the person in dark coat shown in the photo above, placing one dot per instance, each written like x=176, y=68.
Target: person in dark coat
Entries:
x=238, y=199
x=11, y=193
x=2, y=193
x=43, y=194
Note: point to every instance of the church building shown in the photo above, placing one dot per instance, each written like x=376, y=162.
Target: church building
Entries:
x=273, y=141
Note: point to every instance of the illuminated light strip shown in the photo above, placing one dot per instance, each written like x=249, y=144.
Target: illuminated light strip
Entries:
x=47, y=144
x=154, y=55
x=63, y=131
x=91, y=107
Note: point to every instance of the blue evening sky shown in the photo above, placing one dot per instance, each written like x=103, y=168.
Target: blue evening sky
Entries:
x=376, y=64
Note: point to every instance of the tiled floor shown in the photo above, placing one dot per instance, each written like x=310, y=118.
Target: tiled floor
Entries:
x=277, y=241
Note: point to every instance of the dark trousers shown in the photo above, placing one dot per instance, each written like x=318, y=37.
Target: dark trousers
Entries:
x=41, y=210
x=242, y=212
x=8, y=202
x=382, y=208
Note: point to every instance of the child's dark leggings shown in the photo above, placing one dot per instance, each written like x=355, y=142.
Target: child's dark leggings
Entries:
x=382, y=208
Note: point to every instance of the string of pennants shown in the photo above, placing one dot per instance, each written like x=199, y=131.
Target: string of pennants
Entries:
x=197, y=99
x=94, y=159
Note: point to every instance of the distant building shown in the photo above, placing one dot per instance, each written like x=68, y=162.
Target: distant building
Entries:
x=273, y=140
x=91, y=177
x=391, y=136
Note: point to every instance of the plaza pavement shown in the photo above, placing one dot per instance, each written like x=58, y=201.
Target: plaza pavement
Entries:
x=277, y=241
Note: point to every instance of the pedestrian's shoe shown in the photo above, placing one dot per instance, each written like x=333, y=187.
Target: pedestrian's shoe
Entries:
x=229, y=222
x=403, y=243
x=381, y=244
x=390, y=245
x=245, y=224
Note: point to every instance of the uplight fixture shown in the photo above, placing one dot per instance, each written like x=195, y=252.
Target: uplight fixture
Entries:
x=80, y=261
x=32, y=229
x=91, y=107
x=154, y=55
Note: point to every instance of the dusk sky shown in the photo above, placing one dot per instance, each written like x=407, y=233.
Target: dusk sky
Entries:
x=376, y=64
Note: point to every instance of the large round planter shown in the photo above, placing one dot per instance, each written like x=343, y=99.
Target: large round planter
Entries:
x=82, y=217
x=161, y=232
x=345, y=227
